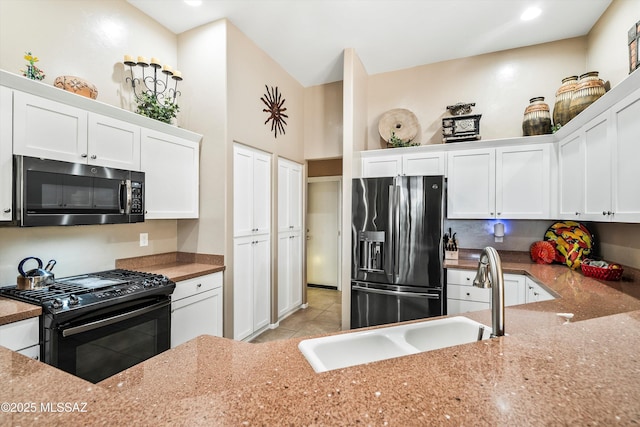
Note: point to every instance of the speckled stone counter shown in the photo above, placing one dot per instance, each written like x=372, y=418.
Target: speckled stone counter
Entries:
x=576, y=374
x=544, y=372
x=14, y=311
x=176, y=266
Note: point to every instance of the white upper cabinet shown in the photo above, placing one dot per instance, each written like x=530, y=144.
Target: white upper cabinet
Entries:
x=523, y=182
x=571, y=173
x=379, y=166
x=53, y=130
x=414, y=164
x=626, y=154
x=49, y=129
x=171, y=167
x=598, y=166
x=289, y=196
x=6, y=158
x=113, y=143
x=252, y=191
x=507, y=182
x=417, y=164
x=471, y=191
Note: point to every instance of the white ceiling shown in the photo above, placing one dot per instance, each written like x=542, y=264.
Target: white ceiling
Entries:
x=307, y=37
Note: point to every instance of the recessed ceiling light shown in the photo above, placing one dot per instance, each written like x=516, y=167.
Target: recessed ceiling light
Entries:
x=530, y=13
x=193, y=3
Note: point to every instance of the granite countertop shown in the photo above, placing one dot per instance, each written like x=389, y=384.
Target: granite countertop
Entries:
x=14, y=311
x=177, y=266
x=544, y=372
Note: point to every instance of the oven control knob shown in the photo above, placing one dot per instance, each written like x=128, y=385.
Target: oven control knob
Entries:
x=73, y=299
x=57, y=303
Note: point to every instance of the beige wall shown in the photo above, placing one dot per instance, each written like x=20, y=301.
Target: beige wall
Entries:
x=323, y=121
x=202, y=56
x=87, y=40
x=500, y=84
x=355, y=120
x=249, y=70
x=607, y=43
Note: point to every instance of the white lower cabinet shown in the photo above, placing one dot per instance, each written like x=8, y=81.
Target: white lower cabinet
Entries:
x=196, y=308
x=251, y=284
x=463, y=297
x=289, y=272
x=22, y=336
x=536, y=293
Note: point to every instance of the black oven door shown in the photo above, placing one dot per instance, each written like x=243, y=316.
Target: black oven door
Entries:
x=99, y=345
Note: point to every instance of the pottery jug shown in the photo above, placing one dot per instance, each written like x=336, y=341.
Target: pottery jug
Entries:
x=537, y=118
x=588, y=90
x=563, y=100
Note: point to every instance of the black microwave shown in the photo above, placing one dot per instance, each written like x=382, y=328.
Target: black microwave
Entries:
x=51, y=192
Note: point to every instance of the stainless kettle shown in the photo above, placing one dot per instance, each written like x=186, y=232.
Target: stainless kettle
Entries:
x=36, y=278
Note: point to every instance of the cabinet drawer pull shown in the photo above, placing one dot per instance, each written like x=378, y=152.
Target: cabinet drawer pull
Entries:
x=199, y=285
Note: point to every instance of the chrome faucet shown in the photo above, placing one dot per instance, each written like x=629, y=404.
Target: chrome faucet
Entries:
x=489, y=275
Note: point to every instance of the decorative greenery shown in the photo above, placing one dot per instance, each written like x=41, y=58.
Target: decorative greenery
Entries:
x=396, y=142
x=555, y=128
x=150, y=106
x=32, y=72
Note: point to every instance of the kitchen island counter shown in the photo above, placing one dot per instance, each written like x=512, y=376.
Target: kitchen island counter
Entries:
x=544, y=373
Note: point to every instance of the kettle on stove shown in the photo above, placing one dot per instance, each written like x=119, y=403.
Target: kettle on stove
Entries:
x=36, y=278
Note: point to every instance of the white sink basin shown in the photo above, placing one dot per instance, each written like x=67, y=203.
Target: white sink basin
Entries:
x=356, y=348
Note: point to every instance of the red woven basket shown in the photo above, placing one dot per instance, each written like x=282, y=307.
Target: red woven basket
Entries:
x=602, y=273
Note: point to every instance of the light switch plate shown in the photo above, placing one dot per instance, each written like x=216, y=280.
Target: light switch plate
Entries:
x=144, y=239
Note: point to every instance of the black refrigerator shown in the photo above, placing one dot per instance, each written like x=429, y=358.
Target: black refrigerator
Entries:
x=397, y=253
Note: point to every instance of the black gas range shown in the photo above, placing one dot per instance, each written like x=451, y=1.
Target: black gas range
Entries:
x=96, y=325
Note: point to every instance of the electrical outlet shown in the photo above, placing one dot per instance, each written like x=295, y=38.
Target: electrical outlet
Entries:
x=144, y=239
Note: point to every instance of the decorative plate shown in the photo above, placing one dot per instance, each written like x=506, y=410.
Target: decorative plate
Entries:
x=573, y=242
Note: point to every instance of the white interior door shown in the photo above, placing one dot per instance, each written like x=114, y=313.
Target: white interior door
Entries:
x=323, y=232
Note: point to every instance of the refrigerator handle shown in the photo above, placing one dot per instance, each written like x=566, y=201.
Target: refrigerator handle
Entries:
x=390, y=243
x=397, y=195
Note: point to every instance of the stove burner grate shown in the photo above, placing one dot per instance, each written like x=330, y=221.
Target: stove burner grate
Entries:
x=47, y=293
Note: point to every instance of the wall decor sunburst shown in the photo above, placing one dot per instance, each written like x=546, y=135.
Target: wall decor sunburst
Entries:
x=274, y=101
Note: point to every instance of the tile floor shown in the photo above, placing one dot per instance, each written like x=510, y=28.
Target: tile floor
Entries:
x=323, y=315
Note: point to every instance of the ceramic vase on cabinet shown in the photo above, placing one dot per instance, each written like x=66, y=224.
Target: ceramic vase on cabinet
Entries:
x=563, y=100
x=588, y=90
x=537, y=118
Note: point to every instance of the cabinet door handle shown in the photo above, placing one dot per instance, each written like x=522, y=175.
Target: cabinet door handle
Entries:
x=499, y=213
x=83, y=155
x=577, y=213
x=7, y=210
x=93, y=156
x=199, y=285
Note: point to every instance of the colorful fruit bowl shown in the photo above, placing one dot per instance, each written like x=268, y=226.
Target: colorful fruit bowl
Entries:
x=601, y=269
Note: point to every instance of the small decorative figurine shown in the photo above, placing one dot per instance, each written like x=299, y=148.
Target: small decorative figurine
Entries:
x=462, y=126
x=32, y=72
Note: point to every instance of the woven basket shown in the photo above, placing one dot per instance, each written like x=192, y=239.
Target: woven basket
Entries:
x=602, y=273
